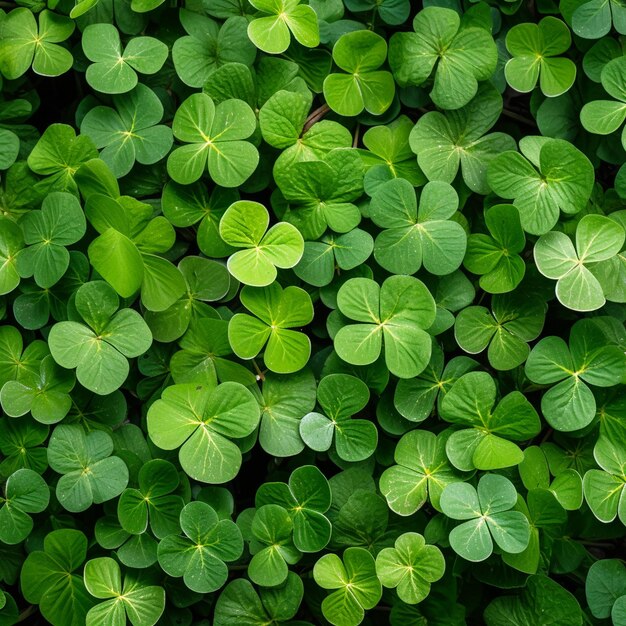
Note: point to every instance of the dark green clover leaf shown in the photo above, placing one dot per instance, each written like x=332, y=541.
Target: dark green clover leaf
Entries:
x=496, y=257
x=598, y=238
x=413, y=236
x=364, y=86
x=130, y=132
x=355, y=581
x=199, y=555
x=45, y=394
x=604, y=586
x=306, y=497
x=25, y=492
x=61, y=222
x=25, y=43
x=392, y=12
x=390, y=318
x=153, y=501
x=487, y=517
x=486, y=442
x=604, y=488
x=513, y=321
x=135, y=601
x=340, y=396
x=446, y=141
x=421, y=473
x=276, y=312
x=410, y=566
x=271, y=545
x=208, y=46
x=20, y=444
x=592, y=19
x=49, y=578
x=535, y=49
x=460, y=56
x=245, y=225
x=114, y=69
x=240, y=603
x=202, y=420
x=89, y=473
x=588, y=359
x=100, y=347
x=552, y=174
x=278, y=20
x=16, y=361
x=215, y=136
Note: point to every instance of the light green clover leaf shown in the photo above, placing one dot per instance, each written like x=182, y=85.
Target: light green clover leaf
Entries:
x=11, y=242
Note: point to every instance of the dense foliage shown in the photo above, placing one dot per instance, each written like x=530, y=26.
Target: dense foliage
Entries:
x=312, y=311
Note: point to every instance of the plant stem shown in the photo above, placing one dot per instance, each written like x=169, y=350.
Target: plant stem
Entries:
x=357, y=131
x=317, y=115
x=26, y=613
x=519, y=118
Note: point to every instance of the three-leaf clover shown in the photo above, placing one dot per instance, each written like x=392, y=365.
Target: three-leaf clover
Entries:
x=534, y=48
x=245, y=225
x=340, y=396
x=140, y=604
x=25, y=492
x=364, y=86
x=113, y=69
x=552, y=174
x=202, y=420
x=421, y=472
x=486, y=442
x=130, y=132
x=487, y=517
x=199, y=555
x=276, y=311
x=390, y=317
x=89, y=472
x=355, y=581
x=460, y=55
x=277, y=20
x=598, y=238
x=410, y=566
x=215, y=136
x=25, y=43
x=446, y=141
x=413, y=236
x=100, y=347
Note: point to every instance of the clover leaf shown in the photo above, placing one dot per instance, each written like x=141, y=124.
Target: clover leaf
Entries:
x=421, y=472
x=99, y=349
x=25, y=492
x=11, y=242
x=535, y=49
x=487, y=517
x=202, y=420
x=506, y=330
x=390, y=11
x=26, y=42
x=355, y=581
x=208, y=46
x=413, y=236
x=199, y=556
x=278, y=20
x=355, y=439
x=276, y=311
x=245, y=225
x=487, y=441
x=114, y=69
x=89, y=472
x=141, y=604
x=446, y=141
x=604, y=586
x=496, y=257
x=364, y=86
x=598, y=238
x=49, y=578
x=16, y=361
x=306, y=497
x=410, y=566
x=20, y=444
x=588, y=359
x=391, y=317
x=592, y=19
x=215, y=136
x=130, y=132
x=460, y=56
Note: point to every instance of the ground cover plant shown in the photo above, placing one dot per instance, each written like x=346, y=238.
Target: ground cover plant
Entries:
x=312, y=312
